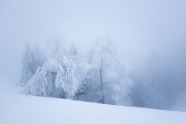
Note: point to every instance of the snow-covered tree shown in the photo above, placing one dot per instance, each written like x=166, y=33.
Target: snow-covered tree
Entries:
x=103, y=79
x=56, y=79
x=76, y=69
x=43, y=81
x=107, y=80
x=32, y=59
x=82, y=68
x=66, y=79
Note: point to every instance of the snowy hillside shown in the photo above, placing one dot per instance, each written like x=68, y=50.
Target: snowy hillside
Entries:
x=92, y=62
x=24, y=109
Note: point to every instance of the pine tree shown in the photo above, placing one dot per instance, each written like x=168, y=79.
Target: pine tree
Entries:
x=32, y=59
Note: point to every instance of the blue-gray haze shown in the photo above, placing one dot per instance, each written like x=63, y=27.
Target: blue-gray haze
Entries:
x=150, y=35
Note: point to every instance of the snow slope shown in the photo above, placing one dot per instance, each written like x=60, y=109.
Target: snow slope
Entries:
x=23, y=109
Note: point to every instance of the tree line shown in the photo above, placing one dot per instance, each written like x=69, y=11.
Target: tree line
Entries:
x=100, y=77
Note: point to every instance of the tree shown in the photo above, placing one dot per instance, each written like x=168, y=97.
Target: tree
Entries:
x=32, y=59
x=76, y=69
x=103, y=79
x=42, y=82
x=56, y=79
x=107, y=80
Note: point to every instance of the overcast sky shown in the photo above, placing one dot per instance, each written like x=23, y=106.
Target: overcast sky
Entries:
x=140, y=27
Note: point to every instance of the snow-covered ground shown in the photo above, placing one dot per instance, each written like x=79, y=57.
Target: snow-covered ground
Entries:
x=23, y=109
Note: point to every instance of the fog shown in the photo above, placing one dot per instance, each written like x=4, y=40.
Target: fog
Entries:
x=150, y=35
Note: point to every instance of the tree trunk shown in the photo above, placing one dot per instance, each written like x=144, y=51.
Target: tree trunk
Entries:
x=101, y=80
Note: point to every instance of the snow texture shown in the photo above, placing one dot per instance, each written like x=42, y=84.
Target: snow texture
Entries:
x=22, y=109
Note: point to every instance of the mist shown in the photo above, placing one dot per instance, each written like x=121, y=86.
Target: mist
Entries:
x=150, y=36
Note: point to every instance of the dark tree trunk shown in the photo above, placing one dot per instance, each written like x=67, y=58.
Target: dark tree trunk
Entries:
x=101, y=80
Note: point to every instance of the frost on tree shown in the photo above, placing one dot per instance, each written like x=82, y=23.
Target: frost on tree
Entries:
x=107, y=81
x=66, y=79
x=75, y=73
x=82, y=68
x=103, y=78
x=32, y=59
x=43, y=81
x=55, y=79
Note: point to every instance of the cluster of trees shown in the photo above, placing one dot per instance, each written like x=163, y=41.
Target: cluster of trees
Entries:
x=101, y=77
